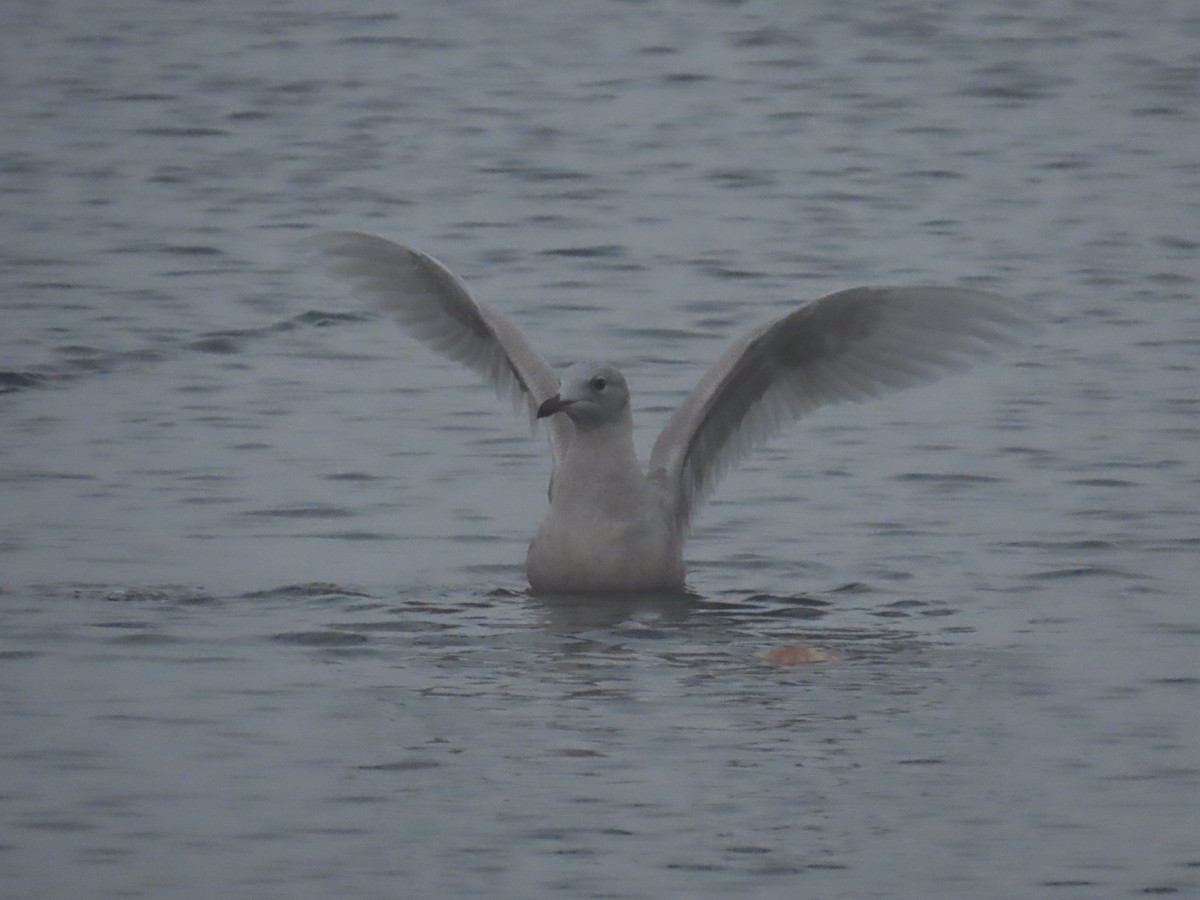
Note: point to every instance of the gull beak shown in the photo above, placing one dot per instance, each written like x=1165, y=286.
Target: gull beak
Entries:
x=553, y=405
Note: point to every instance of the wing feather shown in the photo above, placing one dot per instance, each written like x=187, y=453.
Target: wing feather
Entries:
x=433, y=305
x=847, y=346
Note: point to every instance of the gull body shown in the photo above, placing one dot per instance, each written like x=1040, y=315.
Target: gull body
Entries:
x=610, y=526
x=608, y=523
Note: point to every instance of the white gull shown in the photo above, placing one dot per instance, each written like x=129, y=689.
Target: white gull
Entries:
x=610, y=527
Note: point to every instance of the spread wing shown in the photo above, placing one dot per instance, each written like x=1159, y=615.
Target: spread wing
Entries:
x=433, y=305
x=847, y=346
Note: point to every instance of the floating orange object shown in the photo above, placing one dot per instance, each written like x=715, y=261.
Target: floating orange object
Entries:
x=797, y=655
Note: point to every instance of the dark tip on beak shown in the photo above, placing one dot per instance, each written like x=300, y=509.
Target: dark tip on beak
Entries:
x=553, y=405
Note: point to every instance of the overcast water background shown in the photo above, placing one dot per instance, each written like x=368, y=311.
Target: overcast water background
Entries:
x=261, y=593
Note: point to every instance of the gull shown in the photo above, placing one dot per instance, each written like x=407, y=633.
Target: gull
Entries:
x=610, y=527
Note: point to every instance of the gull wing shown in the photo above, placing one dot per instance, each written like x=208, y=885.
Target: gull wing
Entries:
x=433, y=305
x=847, y=346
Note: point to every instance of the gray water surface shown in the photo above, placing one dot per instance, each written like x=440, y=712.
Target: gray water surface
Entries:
x=263, y=629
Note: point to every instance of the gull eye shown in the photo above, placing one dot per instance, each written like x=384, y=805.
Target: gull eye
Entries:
x=598, y=383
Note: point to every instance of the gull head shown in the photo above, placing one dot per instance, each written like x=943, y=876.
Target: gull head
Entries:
x=590, y=394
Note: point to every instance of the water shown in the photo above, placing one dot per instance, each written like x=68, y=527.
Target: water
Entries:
x=261, y=611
